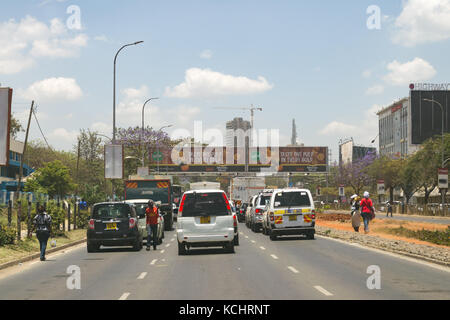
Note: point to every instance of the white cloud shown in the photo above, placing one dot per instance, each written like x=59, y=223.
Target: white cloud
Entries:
x=423, y=21
x=375, y=90
x=53, y=90
x=206, y=54
x=200, y=83
x=409, y=72
x=363, y=132
x=21, y=43
x=63, y=139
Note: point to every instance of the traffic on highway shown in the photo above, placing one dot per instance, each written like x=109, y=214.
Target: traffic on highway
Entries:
x=224, y=159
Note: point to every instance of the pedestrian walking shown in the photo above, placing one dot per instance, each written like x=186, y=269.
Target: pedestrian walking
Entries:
x=390, y=209
x=152, y=216
x=356, y=216
x=367, y=211
x=43, y=226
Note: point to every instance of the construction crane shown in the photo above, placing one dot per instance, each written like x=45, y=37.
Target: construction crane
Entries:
x=252, y=110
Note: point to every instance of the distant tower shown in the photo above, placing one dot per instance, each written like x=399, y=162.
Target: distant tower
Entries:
x=294, y=134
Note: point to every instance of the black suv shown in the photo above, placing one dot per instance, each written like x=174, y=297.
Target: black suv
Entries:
x=241, y=212
x=113, y=224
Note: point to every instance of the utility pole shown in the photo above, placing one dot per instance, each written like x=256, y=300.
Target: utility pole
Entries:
x=19, y=211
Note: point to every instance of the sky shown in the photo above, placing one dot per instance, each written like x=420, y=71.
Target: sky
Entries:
x=330, y=65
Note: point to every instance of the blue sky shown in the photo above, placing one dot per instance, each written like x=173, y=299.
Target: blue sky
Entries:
x=315, y=61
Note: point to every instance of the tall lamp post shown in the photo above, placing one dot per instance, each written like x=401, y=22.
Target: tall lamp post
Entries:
x=114, y=87
x=157, y=143
x=443, y=145
x=143, y=128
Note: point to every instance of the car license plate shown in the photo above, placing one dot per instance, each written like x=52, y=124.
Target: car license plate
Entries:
x=205, y=220
x=292, y=218
x=111, y=226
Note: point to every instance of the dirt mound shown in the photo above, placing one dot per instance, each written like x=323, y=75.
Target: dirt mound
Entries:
x=334, y=217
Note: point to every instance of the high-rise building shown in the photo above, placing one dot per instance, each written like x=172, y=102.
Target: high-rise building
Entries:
x=349, y=152
x=237, y=129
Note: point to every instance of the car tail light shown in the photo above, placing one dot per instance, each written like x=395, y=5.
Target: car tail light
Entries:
x=258, y=211
x=313, y=216
x=235, y=221
x=272, y=217
x=180, y=209
x=92, y=224
x=226, y=201
x=132, y=223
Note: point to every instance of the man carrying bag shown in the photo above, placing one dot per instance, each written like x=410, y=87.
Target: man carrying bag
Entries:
x=43, y=226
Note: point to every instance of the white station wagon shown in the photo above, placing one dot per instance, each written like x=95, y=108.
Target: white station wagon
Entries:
x=205, y=219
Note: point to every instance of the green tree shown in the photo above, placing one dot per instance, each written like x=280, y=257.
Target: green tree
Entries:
x=409, y=177
x=16, y=127
x=387, y=169
x=55, y=178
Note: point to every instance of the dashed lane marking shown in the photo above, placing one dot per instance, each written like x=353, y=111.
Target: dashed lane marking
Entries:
x=142, y=276
x=262, y=248
x=274, y=256
x=163, y=251
x=153, y=262
x=323, y=291
x=293, y=270
x=168, y=245
x=125, y=296
x=253, y=241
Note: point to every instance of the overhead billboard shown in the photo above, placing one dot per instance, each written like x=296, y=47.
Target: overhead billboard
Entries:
x=426, y=116
x=5, y=124
x=228, y=159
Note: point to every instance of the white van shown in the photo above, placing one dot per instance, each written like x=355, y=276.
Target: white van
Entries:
x=291, y=212
x=205, y=219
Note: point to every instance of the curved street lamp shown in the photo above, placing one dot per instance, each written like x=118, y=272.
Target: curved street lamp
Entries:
x=114, y=87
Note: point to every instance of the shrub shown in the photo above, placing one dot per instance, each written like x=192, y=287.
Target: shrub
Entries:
x=83, y=219
x=58, y=215
x=7, y=235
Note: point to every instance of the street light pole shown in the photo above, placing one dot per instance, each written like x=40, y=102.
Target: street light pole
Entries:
x=157, y=142
x=443, y=146
x=114, y=87
x=143, y=128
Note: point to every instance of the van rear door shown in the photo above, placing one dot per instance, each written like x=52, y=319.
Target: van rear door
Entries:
x=293, y=209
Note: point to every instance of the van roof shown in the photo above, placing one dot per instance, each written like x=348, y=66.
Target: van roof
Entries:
x=205, y=191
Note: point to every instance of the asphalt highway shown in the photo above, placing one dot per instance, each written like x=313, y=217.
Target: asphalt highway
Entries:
x=288, y=269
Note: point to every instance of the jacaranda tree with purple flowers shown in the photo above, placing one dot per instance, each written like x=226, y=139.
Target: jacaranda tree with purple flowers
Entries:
x=356, y=174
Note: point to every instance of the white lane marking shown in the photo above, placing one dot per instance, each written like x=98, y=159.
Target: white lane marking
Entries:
x=323, y=291
x=163, y=251
x=274, y=256
x=293, y=270
x=142, y=276
x=125, y=296
x=168, y=245
x=253, y=241
x=173, y=239
x=241, y=233
x=394, y=255
x=153, y=262
x=262, y=248
x=246, y=237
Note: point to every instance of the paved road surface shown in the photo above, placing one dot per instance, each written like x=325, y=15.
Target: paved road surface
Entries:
x=289, y=269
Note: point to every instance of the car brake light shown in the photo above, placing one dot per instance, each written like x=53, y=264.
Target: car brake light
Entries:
x=272, y=217
x=235, y=221
x=313, y=216
x=132, y=223
x=180, y=209
x=226, y=201
x=258, y=211
x=92, y=224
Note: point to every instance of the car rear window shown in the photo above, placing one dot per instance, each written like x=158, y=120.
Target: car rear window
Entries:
x=205, y=204
x=111, y=211
x=292, y=199
x=263, y=199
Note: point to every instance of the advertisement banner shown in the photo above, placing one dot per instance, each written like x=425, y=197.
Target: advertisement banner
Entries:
x=5, y=124
x=381, y=188
x=222, y=159
x=114, y=157
x=443, y=178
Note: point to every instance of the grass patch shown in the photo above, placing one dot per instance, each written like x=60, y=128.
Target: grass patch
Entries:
x=27, y=247
x=436, y=237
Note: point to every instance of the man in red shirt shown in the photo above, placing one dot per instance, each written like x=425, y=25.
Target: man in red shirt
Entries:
x=152, y=215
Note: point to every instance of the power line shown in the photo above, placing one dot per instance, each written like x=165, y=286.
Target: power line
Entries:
x=42, y=133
